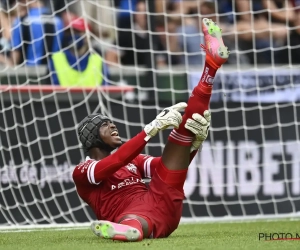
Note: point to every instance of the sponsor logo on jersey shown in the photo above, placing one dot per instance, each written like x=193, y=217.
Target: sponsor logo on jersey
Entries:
x=127, y=182
x=132, y=168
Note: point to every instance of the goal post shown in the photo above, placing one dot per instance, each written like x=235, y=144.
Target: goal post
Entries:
x=249, y=167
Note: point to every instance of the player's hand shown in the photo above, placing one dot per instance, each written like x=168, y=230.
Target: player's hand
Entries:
x=168, y=117
x=199, y=126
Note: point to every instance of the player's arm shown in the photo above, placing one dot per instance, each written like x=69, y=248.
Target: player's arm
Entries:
x=99, y=170
x=93, y=172
x=199, y=126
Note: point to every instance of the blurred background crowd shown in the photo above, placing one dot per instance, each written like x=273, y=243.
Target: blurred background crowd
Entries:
x=73, y=38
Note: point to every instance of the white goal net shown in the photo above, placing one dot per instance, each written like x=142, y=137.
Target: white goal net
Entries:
x=62, y=60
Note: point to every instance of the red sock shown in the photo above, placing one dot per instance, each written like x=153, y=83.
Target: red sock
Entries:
x=200, y=97
x=197, y=103
x=150, y=226
x=134, y=223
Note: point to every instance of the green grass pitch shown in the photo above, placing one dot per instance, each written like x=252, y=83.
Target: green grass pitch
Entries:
x=188, y=236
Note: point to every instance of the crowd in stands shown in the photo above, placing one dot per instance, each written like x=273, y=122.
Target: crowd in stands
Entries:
x=78, y=51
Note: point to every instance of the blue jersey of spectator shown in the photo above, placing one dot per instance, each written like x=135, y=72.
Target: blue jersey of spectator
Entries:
x=35, y=21
x=126, y=7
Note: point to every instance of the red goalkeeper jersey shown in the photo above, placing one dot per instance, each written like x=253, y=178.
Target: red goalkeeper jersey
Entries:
x=108, y=191
x=114, y=187
x=111, y=196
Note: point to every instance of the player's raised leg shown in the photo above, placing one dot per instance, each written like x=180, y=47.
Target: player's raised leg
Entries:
x=216, y=55
x=176, y=155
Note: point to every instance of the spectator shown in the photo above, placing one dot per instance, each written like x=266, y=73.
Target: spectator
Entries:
x=9, y=11
x=125, y=9
x=134, y=47
x=101, y=16
x=190, y=31
x=225, y=11
x=134, y=44
x=294, y=40
x=7, y=14
x=177, y=6
x=76, y=66
x=255, y=23
x=35, y=35
x=167, y=45
x=266, y=16
x=62, y=7
x=279, y=11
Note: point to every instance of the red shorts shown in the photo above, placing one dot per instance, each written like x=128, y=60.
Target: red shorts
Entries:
x=162, y=204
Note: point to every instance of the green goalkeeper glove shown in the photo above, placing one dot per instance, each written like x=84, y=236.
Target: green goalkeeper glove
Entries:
x=199, y=126
x=168, y=117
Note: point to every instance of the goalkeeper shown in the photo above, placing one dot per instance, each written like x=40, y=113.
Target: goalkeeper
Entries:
x=112, y=184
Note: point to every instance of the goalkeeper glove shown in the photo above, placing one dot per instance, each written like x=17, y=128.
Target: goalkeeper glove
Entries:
x=168, y=117
x=199, y=126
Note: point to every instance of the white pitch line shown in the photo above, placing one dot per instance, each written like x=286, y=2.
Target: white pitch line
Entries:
x=44, y=230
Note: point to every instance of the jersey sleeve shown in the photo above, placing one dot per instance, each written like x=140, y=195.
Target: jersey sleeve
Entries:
x=146, y=164
x=83, y=174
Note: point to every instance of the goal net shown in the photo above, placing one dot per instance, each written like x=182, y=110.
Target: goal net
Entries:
x=250, y=164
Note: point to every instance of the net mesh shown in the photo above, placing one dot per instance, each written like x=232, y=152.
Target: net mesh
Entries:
x=150, y=58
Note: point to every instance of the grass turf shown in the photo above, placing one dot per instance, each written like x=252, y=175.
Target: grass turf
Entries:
x=190, y=236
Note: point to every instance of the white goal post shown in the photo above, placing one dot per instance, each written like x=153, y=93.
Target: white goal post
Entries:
x=249, y=167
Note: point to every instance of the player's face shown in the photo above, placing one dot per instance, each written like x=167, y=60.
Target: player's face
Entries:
x=109, y=134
